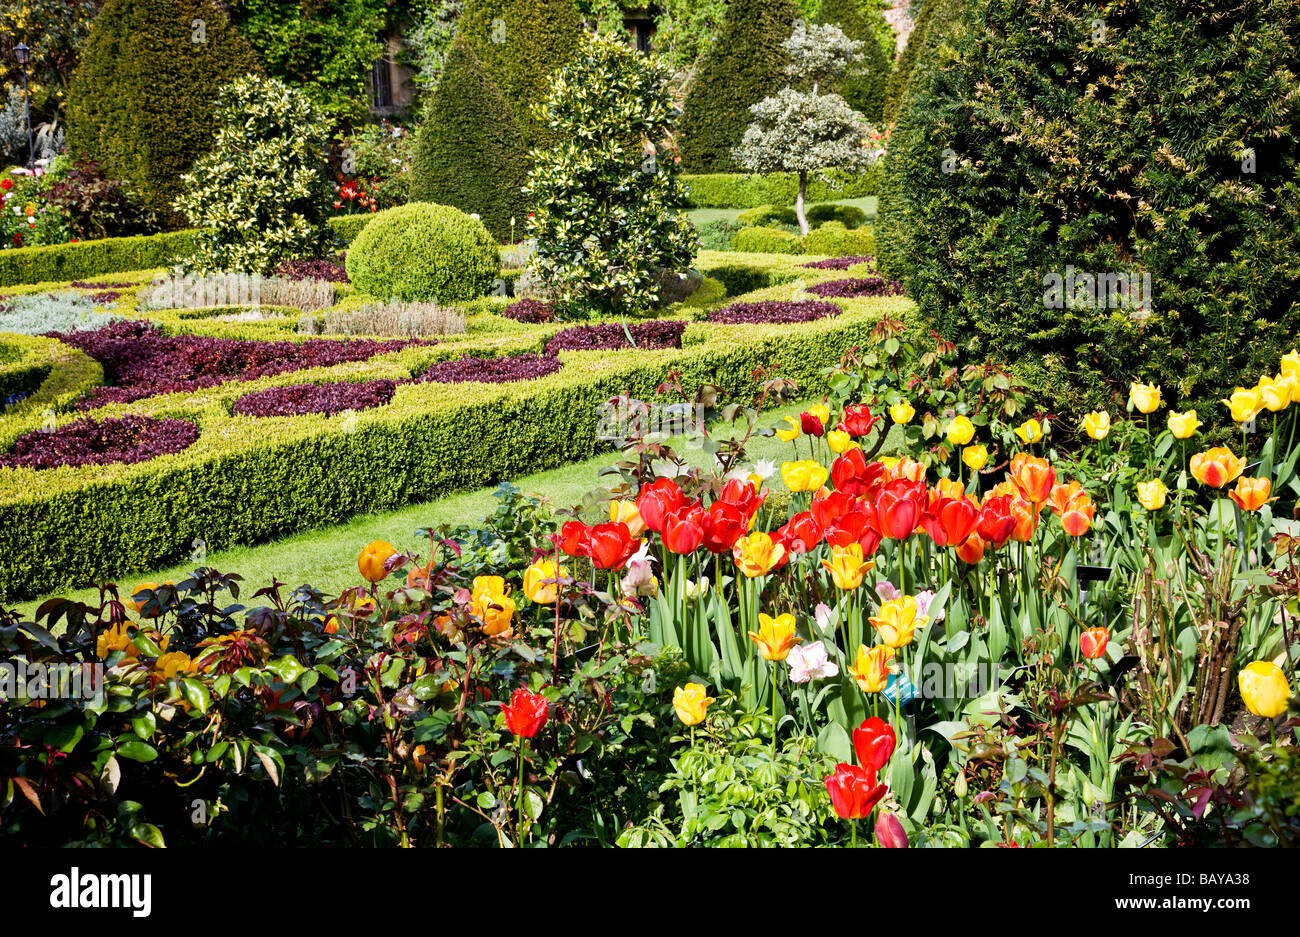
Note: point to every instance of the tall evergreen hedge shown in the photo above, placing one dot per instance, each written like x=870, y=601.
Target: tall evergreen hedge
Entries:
x=470, y=153
x=522, y=43
x=864, y=86
x=907, y=59
x=141, y=101
x=743, y=66
x=1165, y=145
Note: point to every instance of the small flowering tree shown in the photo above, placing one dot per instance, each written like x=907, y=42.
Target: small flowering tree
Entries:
x=259, y=197
x=609, y=204
x=808, y=131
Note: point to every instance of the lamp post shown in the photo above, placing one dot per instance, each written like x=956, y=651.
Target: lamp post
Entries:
x=23, y=55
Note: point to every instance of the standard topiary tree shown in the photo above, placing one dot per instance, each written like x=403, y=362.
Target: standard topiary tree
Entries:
x=863, y=85
x=1089, y=256
x=259, y=196
x=610, y=213
x=420, y=252
x=142, y=100
x=743, y=66
x=807, y=131
x=470, y=153
x=522, y=43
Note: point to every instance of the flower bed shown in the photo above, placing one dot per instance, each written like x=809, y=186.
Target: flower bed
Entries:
x=781, y=311
x=329, y=270
x=490, y=370
x=327, y=399
x=839, y=263
x=140, y=361
x=100, y=442
x=657, y=334
x=529, y=310
x=857, y=286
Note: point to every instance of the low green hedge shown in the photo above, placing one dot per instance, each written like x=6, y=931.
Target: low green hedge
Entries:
x=832, y=239
x=740, y=190
x=64, y=262
x=347, y=227
x=248, y=480
x=766, y=215
x=55, y=373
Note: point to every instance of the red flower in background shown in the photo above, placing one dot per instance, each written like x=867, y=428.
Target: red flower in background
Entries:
x=658, y=499
x=858, y=420
x=743, y=495
x=858, y=527
x=852, y=475
x=996, y=522
x=610, y=545
x=811, y=424
x=724, y=524
x=801, y=533
x=951, y=520
x=684, y=528
x=574, y=538
x=900, y=506
x=525, y=713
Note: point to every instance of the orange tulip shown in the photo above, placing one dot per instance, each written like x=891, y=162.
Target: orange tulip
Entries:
x=971, y=549
x=775, y=636
x=1216, y=467
x=1026, y=518
x=372, y=559
x=1251, y=494
x=1035, y=476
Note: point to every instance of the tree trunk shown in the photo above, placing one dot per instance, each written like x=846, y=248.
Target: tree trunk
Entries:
x=799, y=200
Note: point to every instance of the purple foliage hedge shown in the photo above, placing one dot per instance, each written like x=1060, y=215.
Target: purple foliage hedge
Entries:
x=857, y=286
x=839, y=263
x=99, y=442
x=317, y=268
x=140, y=361
x=490, y=370
x=299, y=399
x=529, y=310
x=774, y=310
x=657, y=334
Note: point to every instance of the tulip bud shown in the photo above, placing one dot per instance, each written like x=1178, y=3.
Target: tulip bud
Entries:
x=959, y=786
x=889, y=832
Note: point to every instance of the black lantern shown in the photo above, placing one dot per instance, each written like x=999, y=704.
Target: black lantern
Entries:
x=23, y=55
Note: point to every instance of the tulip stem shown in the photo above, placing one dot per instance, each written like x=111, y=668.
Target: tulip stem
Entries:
x=519, y=796
x=853, y=834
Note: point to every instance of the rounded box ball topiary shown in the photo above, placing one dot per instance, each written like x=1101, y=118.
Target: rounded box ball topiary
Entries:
x=422, y=251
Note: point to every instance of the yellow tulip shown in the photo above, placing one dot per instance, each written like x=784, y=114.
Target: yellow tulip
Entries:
x=1182, y=425
x=1290, y=363
x=805, y=475
x=1290, y=384
x=975, y=457
x=898, y=620
x=757, y=554
x=1244, y=404
x=1152, y=494
x=1264, y=689
x=1097, y=424
x=173, y=663
x=847, y=566
x=625, y=512
x=492, y=604
x=822, y=412
x=372, y=559
x=691, y=703
x=902, y=412
x=840, y=441
x=535, y=586
x=1144, y=397
x=113, y=639
x=871, y=669
x=1030, y=431
x=775, y=636
x=1273, y=394
x=791, y=434
x=960, y=431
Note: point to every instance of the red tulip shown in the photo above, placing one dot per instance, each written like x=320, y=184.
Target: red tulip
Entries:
x=610, y=545
x=851, y=473
x=858, y=527
x=996, y=522
x=1092, y=643
x=889, y=832
x=874, y=741
x=950, y=521
x=899, y=507
x=742, y=494
x=829, y=509
x=971, y=549
x=801, y=533
x=724, y=524
x=660, y=497
x=574, y=538
x=525, y=713
x=684, y=528
x=811, y=425
x=854, y=791
x=858, y=420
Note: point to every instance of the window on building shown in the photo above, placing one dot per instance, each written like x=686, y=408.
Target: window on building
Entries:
x=381, y=84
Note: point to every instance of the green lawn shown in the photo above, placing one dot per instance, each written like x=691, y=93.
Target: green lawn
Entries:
x=704, y=215
x=327, y=558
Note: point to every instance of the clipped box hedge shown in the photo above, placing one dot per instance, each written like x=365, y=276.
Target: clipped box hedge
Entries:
x=65, y=262
x=741, y=190
x=248, y=480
